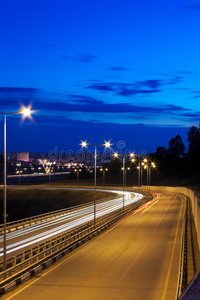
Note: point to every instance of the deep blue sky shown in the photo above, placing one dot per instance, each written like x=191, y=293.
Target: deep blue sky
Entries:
x=99, y=69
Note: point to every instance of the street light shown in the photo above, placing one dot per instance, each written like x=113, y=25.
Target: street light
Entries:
x=77, y=171
x=104, y=175
x=148, y=165
x=116, y=155
x=25, y=112
x=85, y=144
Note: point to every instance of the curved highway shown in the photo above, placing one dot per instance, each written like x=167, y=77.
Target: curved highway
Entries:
x=26, y=238
x=137, y=258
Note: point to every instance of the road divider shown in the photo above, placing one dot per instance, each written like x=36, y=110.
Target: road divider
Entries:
x=38, y=258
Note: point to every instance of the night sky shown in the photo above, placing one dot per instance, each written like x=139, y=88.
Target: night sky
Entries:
x=99, y=70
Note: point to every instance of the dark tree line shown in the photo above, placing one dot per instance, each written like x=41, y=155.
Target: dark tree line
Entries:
x=174, y=165
x=175, y=161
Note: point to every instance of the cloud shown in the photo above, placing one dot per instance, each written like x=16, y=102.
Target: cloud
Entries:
x=117, y=69
x=18, y=90
x=66, y=57
x=13, y=97
x=183, y=72
x=138, y=87
x=86, y=58
x=196, y=96
x=85, y=104
x=127, y=89
x=175, y=107
x=175, y=80
x=193, y=6
x=102, y=87
x=152, y=83
x=131, y=92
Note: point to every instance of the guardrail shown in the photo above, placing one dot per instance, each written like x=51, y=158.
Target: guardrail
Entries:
x=29, y=259
x=182, y=254
x=18, y=224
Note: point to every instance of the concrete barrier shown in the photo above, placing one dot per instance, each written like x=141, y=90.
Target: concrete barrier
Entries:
x=195, y=202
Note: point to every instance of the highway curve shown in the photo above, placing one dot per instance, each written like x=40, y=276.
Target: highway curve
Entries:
x=137, y=259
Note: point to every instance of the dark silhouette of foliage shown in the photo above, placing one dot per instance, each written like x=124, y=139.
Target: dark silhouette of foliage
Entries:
x=176, y=147
x=194, y=143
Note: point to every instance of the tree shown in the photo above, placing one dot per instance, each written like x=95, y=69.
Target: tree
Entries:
x=176, y=147
x=115, y=166
x=194, y=142
x=160, y=152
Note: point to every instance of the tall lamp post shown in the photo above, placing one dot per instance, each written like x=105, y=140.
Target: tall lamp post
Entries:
x=78, y=171
x=85, y=144
x=116, y=155
x=26, y=112
x=148, y=166
x=104, y=175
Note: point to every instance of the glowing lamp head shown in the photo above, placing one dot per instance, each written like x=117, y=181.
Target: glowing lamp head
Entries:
x=83, y=144
x=115, y=154
x=107, y=144
x=26, y=112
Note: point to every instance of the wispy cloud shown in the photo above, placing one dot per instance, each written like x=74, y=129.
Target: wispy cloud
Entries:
x=86, y=58
x=81, y=57
x=138, y=87
x=116, y=68
x=18, y=90
x=193, y=6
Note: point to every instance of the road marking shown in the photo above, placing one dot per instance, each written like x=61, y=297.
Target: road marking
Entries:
x=128, y=243
x=53, y=268
x=149, y=207
x=172, y=255
x=138, y=256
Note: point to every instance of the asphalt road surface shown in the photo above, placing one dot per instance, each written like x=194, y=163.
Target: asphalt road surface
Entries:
x=26, y=238
x=137, y=259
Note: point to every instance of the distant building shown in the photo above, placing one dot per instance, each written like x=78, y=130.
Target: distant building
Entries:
x=23, y=156
x=12, y=156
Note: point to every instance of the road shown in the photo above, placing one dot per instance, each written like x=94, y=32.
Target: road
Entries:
x=26, y=238
x=137, y=259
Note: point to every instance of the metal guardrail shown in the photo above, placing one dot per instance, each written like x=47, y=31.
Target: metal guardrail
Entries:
x=31, y=258
x=181, y=268
x=18, y=224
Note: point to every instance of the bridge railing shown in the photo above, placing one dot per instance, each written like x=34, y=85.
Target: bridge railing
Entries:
x=33, y=257
x=18, y=224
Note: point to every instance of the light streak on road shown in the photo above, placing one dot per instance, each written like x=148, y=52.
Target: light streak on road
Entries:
x=38, y=233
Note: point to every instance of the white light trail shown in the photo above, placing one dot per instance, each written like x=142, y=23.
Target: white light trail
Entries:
x=65, y=222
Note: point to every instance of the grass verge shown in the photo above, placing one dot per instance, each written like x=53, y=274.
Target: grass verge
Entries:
x=26, y=203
